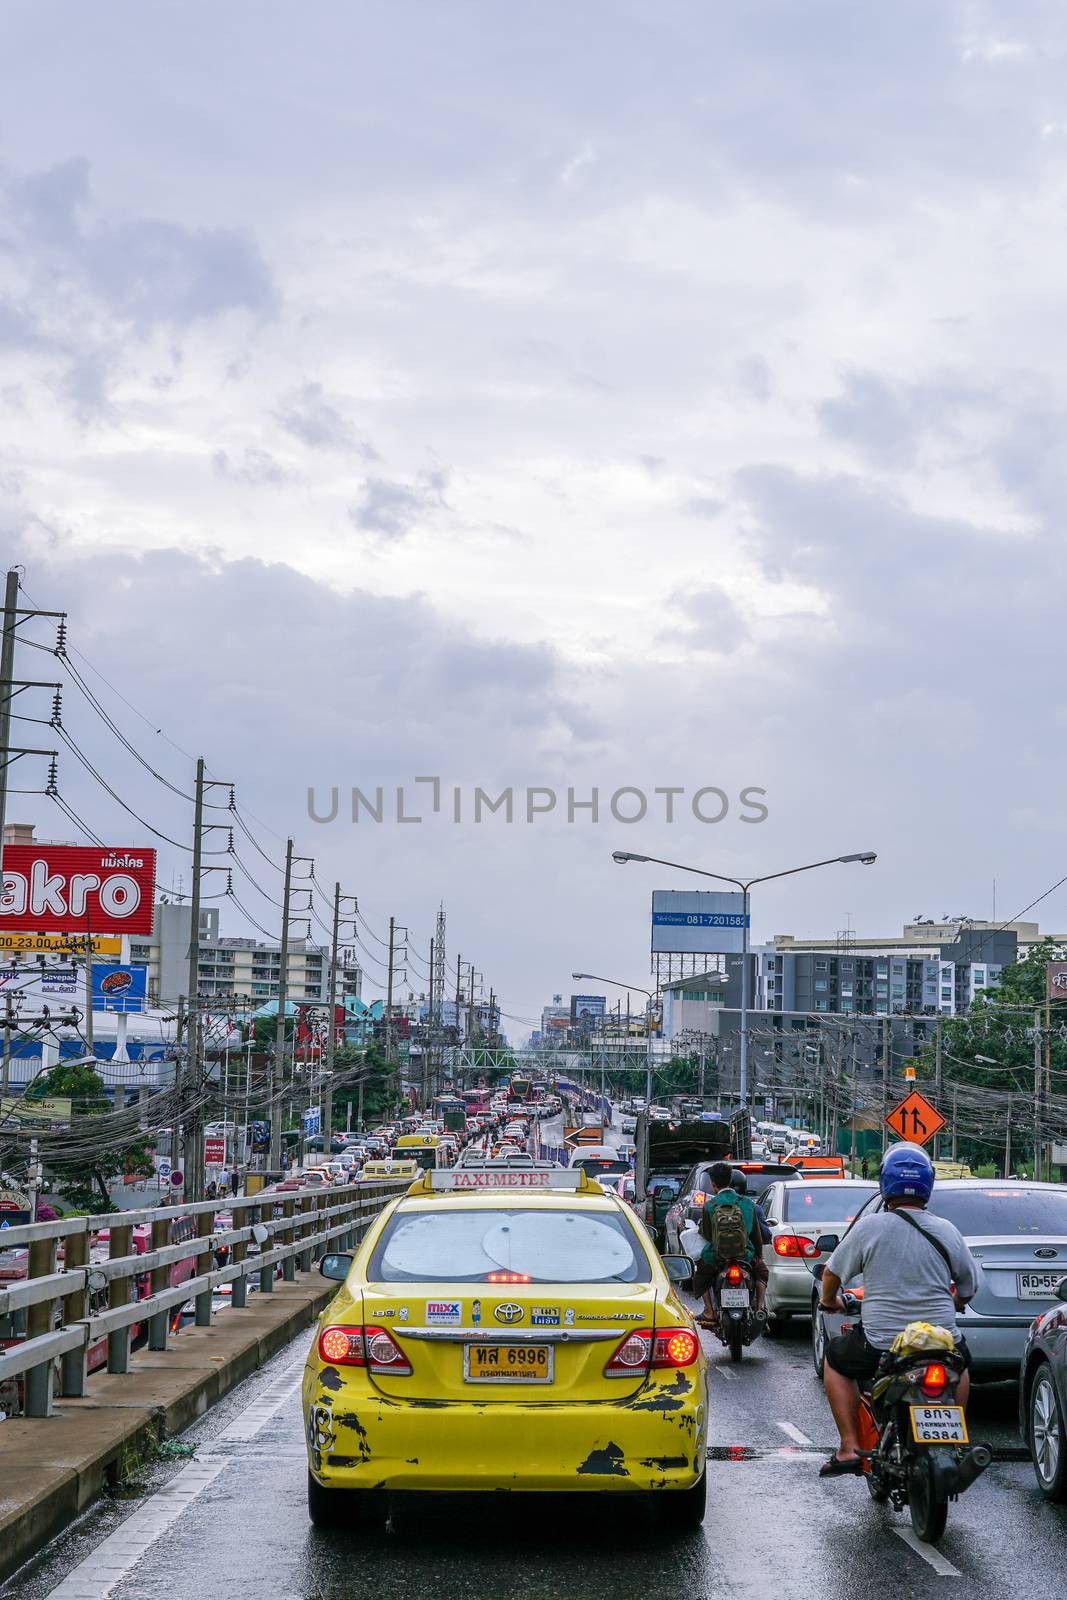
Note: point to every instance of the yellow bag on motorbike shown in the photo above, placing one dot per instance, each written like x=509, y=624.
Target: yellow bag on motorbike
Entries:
x=921, y=1336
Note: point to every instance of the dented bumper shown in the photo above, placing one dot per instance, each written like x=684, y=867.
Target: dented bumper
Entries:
x=654, y=1439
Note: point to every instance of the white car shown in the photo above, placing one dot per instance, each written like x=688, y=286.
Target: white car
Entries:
x=797, y=1215
x=658, y=1114
x=628, y=1123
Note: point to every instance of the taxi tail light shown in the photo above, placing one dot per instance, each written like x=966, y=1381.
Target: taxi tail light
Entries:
x=342, y=1346
x=734, y=1273
x=373, y=1348
x=794, y=1244
x=934, y=1379
x=632, y=1354
x=384, y=1354
x=675, y=1347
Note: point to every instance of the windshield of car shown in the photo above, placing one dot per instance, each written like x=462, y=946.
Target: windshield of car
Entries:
x=542, y=1246
x=825, y=1202
x=1008, y=1210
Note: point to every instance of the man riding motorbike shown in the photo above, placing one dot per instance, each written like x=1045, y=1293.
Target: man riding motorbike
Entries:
x=721, y=1177
x=912, y=1271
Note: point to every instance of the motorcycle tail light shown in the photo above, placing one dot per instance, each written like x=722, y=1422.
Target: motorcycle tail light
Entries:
x=934, y=1379
x=734, y=1273
x=675, y=1347
x=632, y=1355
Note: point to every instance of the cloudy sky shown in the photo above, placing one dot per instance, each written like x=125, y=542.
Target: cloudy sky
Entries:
x=646, y=393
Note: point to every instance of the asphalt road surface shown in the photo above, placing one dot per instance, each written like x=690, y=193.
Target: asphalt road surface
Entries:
x=232, y=1520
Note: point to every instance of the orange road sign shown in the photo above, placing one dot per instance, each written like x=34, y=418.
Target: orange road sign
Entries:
x=915, y=1119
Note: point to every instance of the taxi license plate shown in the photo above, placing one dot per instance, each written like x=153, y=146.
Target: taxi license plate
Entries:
x=1038, y=1285
x=938, y=1425
x=507, y=1363
x=733, y=1299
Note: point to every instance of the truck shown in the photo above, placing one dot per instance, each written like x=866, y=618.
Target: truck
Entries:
x=666, y=1151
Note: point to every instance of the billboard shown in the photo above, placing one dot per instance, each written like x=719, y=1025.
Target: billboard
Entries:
x=59, y=982
x=587, y=1009
x=1057, y=980
x=56, y=944
x=74, y=889
x=119, y=988
x=697, y=922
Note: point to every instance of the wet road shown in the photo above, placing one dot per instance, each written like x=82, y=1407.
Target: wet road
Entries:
x=232, y=1519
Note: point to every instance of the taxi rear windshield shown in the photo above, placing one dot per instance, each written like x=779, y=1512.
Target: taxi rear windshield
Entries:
x=469, y=1246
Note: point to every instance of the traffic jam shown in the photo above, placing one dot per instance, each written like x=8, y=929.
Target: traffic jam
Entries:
x=583, y=1295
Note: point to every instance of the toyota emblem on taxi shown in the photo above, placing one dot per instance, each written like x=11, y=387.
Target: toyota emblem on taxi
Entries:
x=508, y=1312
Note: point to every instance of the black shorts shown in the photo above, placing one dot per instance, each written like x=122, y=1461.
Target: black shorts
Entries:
x=853, y=1356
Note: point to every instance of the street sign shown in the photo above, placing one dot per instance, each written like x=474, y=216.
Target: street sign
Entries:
x=909, y=1074
x=214, y=1152
x=163, y=1169
x=177, y=1179
x=915, y=1119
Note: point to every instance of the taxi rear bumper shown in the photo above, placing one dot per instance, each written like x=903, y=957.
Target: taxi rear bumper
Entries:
x=655, y=1439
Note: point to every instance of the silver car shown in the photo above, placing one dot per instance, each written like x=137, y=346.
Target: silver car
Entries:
x=1017, y=1233
x=798, y=1214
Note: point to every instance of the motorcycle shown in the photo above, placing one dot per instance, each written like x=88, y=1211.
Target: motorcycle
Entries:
x=736, y=1322
x=913, y=1436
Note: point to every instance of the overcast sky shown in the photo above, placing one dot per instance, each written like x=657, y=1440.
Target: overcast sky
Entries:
x=640, y=393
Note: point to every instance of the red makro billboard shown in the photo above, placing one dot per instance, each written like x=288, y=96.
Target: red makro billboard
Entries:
x=74, y=889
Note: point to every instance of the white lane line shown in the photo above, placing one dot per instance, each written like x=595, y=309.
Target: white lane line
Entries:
x=933, y=1558
x=793, y=1432
x=724, y=1372
x=116, y=1556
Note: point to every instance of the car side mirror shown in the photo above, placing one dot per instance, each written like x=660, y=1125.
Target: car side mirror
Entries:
x=679, y=1269
x=826, y=1242
x=335, y=1266
x=1061, y=1289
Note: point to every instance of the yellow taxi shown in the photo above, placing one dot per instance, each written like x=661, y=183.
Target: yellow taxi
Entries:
x=388, y=1170
x=505, y=1328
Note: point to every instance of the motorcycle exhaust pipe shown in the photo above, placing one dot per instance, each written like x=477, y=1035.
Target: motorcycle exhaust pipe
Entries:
x=973, y=1464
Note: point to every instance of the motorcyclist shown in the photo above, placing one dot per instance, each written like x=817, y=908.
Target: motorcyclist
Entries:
x=912, y=1272
x=708, y=1267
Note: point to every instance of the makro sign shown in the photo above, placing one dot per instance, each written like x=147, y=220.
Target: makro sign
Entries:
x=66, y=888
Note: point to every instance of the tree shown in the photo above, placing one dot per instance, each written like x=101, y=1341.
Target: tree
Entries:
x=83, y=1178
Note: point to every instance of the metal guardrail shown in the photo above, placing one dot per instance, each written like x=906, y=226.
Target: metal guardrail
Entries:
x=65, y=1314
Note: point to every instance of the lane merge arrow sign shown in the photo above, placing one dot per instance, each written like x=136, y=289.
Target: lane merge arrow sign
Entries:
x=915, y=1119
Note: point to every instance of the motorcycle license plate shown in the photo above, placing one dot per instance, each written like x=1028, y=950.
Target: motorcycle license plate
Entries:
x=938, y=1425
x=733, y=1299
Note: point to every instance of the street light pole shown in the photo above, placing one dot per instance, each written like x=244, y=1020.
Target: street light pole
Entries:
x=621, y=857
x=616, y=983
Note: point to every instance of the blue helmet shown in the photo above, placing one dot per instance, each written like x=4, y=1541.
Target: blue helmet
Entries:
x=907, y=1172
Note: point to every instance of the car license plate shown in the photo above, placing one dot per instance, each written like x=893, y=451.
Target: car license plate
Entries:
x=733, y=1299
x=938, y=1425
x=507, y=1363
x=1038, y=1285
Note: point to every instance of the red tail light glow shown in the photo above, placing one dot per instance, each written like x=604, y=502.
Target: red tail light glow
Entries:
x=697, y=1197
x=935, y=1379
x=373, y=1348
x=794, y=1244
x=509, y=1277
x=642, y=1351
x=734, y=1273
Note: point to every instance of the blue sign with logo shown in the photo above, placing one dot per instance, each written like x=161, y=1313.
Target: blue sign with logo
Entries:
x=119, y=988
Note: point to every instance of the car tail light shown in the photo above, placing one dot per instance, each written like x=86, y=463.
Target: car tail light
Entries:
x=509, y=1277
x=373, y=1348
x=794, y=1244
x=342, y=1346
x=697, y=1197
x=934, y=1379
x=675, y=1347
x=734, y=1273
x=631, y=1355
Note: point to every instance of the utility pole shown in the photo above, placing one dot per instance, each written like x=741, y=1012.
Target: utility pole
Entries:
x=389, y=1006
x=937, y=1074
x=193, y=1173
x=331, y=1030
x=886, y=1052
x=278, y=1068
x=7, y=689
x=428, y=1043
x=1007, y=1140
x=1037, y=1093
x=955, y=1097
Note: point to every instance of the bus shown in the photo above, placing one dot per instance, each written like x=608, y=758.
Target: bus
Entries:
x=520, y=1089
x=451, y=1110
x=423, y=1149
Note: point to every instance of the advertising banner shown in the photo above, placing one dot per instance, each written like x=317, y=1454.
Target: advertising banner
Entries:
x=77, y=889
x=1057, y=980
x=214, y=1152
x=697, y=922
x=56, y=944
x=46, y=1114
x=59, y=982
x=119, y=988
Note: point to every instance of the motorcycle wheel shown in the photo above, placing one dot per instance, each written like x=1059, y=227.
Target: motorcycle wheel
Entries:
x=927, y=1505
x=877, y=1490
x=736, y=1342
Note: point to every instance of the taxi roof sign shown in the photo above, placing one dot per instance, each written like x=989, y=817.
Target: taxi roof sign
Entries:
x=465, y=1179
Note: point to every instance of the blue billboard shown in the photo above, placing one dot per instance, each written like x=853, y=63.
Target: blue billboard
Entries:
x=119, y=988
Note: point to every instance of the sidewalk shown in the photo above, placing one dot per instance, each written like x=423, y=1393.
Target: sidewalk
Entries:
x=53, y=1468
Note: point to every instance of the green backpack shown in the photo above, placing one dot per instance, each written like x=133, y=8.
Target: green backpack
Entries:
x=728, y=1234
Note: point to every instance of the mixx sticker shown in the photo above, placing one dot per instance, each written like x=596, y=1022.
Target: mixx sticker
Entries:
x=544, y=1316
x=444, y=1313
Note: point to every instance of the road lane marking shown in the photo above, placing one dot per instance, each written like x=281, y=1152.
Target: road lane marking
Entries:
x=794, y=1433
x=933, y=1558
x=724, y=1372
x=115, y=1557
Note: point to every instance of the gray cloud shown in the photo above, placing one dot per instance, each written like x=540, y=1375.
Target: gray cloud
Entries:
x=310, y=416
x=710, y=622
x=254, y=467
x=395, y=509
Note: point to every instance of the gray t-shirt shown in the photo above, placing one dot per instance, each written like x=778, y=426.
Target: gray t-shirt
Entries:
x=904, y=1278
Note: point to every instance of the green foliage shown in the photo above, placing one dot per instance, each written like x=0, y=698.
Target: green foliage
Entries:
x=82, y=1180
